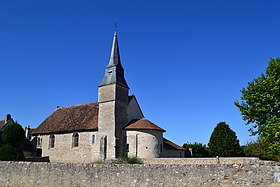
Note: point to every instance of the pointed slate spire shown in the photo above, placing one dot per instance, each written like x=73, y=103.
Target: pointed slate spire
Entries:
x=114, y=72
x=115, y=54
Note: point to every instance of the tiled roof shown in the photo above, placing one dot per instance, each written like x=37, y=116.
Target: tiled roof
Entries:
x=143, y=124
x=2, y=123
x=69, y=119
x=170, y=145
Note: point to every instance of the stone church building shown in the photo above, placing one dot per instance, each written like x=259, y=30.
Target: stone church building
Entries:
x=103, y=130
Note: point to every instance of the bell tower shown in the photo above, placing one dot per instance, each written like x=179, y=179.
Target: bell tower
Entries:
x=113, y=101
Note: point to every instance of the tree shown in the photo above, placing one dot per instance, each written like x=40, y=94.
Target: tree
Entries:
x=260, y=106
x=198, y=150
x=251, y=149
x=11, y=135
x=258, y=148
x=224, y=142
x=10, y=153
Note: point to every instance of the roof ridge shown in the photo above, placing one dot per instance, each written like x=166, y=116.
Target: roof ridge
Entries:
x=65, y=107
x=143, y=124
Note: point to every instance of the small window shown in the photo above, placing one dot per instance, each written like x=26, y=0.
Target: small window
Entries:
x=127, y=147
x=93, y=139
x=51, y=141
x=160, y=147
x=39, y=142
x=75, y=140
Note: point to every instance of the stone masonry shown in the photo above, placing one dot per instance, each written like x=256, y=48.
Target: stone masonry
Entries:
x=30, y=174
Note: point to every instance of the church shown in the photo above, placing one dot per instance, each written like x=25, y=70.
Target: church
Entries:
x=105, y=130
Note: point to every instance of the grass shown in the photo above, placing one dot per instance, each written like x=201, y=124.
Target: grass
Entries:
x=128, y=160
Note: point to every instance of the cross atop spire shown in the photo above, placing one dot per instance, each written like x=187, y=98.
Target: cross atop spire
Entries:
x=114, y=72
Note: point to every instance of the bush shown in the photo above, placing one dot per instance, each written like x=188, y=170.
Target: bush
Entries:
x=128, y=160
x=224, y=142
x=259, y=149
x=10, y=153
x=134, y=160
x=198, y=150
x=251, y=149
x=13, y=134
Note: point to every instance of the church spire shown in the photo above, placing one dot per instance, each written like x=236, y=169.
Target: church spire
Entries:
x=115, y=54
x=114, y=72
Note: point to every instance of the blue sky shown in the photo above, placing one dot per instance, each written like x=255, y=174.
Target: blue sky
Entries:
x=186, y=61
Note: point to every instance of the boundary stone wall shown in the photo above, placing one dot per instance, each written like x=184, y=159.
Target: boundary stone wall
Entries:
x=30, y=174
x=206, y=161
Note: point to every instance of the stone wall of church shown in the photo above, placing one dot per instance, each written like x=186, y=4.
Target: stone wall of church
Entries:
x=63, y=150
x=113, y=101
x=121, y=118
x=106, y=119
x=106, y=126
x=145, y=143
x=30, y=174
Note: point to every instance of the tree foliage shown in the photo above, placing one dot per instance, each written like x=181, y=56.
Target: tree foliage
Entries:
x=198, y=150
x=10, y=153
x=224, y=142
x=13, y=134
x=260, y=106
x=251, y=149
x=259, y=149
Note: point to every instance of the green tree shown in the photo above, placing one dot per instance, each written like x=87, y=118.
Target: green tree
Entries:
x=224, y=142
x=10, y=153
x=13, y=134
x=260, y=106
x=259, y=149
x=198, y=150
x=251, y=149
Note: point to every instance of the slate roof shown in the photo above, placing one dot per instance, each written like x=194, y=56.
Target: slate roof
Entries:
x=2, y=123
x=142, y=124
x=114, y=72
x=70, y=119
x=170, y=145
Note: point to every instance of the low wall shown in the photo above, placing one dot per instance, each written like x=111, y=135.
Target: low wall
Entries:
x=206, y=161
x=30, y=174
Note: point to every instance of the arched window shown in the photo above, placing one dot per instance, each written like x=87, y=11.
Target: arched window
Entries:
x=39, y=142
x=75, y=140
x=51, y=141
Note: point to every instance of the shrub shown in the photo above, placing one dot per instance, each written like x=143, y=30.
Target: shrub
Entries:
x=10, y=153
x=13, y=134
x=128, y=160
x=134, y=160
x=198, y=150
x=259, y=149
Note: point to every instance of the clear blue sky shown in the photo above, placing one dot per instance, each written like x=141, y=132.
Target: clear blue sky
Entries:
x=185, y=60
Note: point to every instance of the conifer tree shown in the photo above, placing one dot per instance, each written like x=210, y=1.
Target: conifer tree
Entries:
x=223, y=142
x=11, y=135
